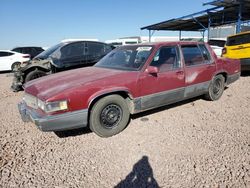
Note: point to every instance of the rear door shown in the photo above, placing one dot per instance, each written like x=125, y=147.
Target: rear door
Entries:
x=199, y=69
x=72, y=55
x=167, y=86
x=94, y=51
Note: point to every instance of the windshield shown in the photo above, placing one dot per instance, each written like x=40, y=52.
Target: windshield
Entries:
x=126, y=58
x=45, y=54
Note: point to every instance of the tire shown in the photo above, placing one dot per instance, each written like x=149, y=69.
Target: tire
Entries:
x=14, y=65
x=109, y=116
x=34, y=74
x=216, y=88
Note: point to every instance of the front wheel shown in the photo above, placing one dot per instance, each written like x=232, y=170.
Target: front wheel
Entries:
x=109, y=116
x=216, y=88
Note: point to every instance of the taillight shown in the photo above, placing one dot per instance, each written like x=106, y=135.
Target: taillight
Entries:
x=26, y=56
x=224, y=51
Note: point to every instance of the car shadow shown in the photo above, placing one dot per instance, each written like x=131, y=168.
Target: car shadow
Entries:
x=245, y=74
x=140, y=176
x=73, y=133
x=4, y=72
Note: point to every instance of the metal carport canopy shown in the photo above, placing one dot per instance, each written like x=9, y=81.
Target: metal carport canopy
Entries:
x=225, y=12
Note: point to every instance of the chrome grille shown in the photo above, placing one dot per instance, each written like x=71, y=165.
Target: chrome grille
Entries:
x=30, y=100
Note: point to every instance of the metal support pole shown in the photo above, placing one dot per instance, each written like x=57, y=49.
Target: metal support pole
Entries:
x=180, y=35
x=208, y=28
x=203, y=36
x=149, y=35
x=238, y=28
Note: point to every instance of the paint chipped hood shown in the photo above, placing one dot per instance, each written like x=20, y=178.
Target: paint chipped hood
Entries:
x=49, y=86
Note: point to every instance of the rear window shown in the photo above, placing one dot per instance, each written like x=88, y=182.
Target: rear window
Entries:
x=238, y=40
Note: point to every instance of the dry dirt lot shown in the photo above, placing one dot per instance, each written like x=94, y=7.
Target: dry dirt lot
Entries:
x=195, y=143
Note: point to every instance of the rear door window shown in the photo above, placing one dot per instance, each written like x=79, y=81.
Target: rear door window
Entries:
x=205, y=53
x=17, y=50
x=95, y=49
x=27, y=51
x=5, y=54
x=72, y=50
x=192, y=55
x=238, y=39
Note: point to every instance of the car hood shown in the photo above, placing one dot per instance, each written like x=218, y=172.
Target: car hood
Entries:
x=54, y=84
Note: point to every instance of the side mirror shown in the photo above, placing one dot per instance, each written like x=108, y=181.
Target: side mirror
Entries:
x=152, y=70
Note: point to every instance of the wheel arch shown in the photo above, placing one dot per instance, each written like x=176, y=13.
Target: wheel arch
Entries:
x=30, y=69
x=224, y=74
x=16, y=62
x=123, y=93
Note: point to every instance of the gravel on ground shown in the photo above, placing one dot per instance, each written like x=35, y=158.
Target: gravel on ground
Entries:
x=195, y=143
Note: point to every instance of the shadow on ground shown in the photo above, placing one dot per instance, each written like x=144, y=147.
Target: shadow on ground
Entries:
x=141, y=176
x=245, y=74
x=8, y=73
x=75, y=132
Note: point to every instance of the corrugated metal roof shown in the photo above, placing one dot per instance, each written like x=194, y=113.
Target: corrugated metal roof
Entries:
x=224, y=12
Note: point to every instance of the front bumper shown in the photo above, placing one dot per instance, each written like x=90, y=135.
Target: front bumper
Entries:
x=17, y=81
x=61, y=122
x=245, y=64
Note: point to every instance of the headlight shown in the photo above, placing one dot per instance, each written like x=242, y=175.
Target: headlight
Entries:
x=52, y=106
x=41, y=104
x=56, y=106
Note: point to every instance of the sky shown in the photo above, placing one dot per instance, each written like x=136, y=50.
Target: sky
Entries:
x=47, y=22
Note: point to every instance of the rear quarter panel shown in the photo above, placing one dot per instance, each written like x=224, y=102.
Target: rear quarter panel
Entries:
x=225, y=65
x=230, y=66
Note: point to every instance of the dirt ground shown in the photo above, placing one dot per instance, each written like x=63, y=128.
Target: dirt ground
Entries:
x=195, y=143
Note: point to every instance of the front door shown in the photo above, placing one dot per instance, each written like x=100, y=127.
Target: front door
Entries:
x=166, y=86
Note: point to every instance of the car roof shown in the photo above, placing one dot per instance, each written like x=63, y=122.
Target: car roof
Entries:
x=167, y=43
x=242, y=33
x=27, y=47
x=76, y=41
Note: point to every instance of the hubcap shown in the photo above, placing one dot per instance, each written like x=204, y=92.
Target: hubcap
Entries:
x=111, y=116
x=217, y=86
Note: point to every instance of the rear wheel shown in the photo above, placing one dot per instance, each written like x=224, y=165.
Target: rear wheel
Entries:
x=34, y=74
x=109, y=116
x=216, y=88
